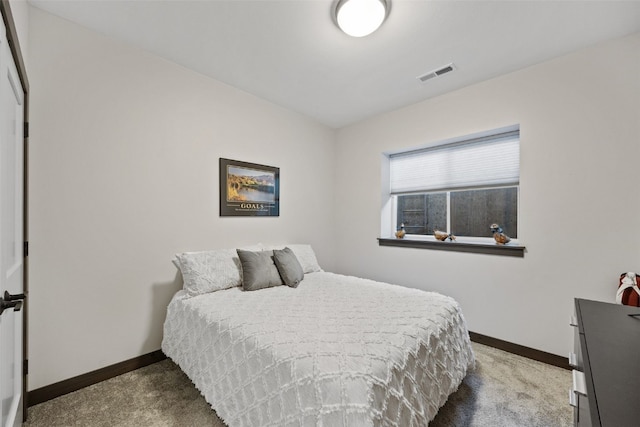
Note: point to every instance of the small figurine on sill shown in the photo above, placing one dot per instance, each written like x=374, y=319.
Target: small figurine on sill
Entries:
x=400, y=233
x=498, y=235
x=442, y=235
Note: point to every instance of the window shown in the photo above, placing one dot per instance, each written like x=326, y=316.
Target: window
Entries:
x=460, y=187
x=470, y=212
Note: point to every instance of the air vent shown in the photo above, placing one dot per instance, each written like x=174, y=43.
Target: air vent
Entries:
x=437, y=73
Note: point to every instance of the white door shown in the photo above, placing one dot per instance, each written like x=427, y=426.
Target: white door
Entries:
x=11, y=237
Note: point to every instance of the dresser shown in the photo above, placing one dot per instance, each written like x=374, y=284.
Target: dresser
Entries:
x=606, y=365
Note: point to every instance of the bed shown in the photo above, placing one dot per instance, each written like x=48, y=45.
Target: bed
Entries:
x=333, y=351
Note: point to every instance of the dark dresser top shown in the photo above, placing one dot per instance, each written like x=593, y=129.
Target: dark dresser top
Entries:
x=611, y=351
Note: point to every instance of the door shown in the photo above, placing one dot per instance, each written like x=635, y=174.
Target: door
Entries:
x=11, y=238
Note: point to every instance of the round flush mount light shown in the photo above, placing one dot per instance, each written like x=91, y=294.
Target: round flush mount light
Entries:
x=359, y=18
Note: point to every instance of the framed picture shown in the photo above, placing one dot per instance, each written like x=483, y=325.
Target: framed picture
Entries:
x=249, y=189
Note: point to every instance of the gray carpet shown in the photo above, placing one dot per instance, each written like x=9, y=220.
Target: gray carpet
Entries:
x=504, y=390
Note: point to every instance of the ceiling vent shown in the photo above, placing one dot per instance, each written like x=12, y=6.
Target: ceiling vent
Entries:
x=437, y=73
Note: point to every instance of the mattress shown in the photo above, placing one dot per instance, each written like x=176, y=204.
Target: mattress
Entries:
x=335, y=351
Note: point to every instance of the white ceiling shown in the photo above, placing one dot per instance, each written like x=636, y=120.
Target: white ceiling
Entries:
x=291, y=53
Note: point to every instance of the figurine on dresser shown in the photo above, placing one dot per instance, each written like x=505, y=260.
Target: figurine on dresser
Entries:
x=628, y=290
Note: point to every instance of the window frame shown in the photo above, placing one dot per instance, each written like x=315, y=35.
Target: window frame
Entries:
x=485, y=245
x=468, y=239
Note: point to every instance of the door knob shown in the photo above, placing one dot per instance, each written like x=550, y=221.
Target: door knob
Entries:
x=5, y=305
x=11, y=301
x=16, y=297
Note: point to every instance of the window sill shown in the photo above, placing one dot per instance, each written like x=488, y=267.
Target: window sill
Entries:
x=512, y=249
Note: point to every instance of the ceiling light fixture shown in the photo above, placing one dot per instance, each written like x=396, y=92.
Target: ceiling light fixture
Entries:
x=359, y=18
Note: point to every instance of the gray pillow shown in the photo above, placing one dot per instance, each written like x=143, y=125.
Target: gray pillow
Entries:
x=305, y=254
x=288, y=266
x=258, y=270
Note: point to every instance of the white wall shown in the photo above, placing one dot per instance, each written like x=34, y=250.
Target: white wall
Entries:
x=579, y=119
x=124, y=153
x=124, y=173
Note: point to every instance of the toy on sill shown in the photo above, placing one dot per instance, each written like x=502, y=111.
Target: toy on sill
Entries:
x=498, y=235
x=400, y=233
x=442, y=235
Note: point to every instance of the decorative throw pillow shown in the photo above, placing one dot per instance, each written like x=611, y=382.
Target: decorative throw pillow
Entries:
x=210, y=271
x=258, y=270
x=288, y=266
x=306, y=256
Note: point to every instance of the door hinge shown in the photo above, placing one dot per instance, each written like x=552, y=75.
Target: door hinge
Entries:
x=25, y=249
x=25, y=133
x=25, y=366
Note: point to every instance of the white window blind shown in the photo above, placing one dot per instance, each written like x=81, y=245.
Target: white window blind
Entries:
x=480, y=162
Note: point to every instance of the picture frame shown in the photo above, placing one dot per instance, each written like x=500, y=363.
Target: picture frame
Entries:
x=249, y=189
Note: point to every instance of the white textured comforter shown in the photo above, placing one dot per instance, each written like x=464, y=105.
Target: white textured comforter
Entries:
x=336, y=351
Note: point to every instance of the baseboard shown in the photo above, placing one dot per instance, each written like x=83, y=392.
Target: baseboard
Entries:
x=81, y=381
x=520, y=350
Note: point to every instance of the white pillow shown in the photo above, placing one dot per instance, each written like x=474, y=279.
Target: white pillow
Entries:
x=305, y=254
x=210, y=271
